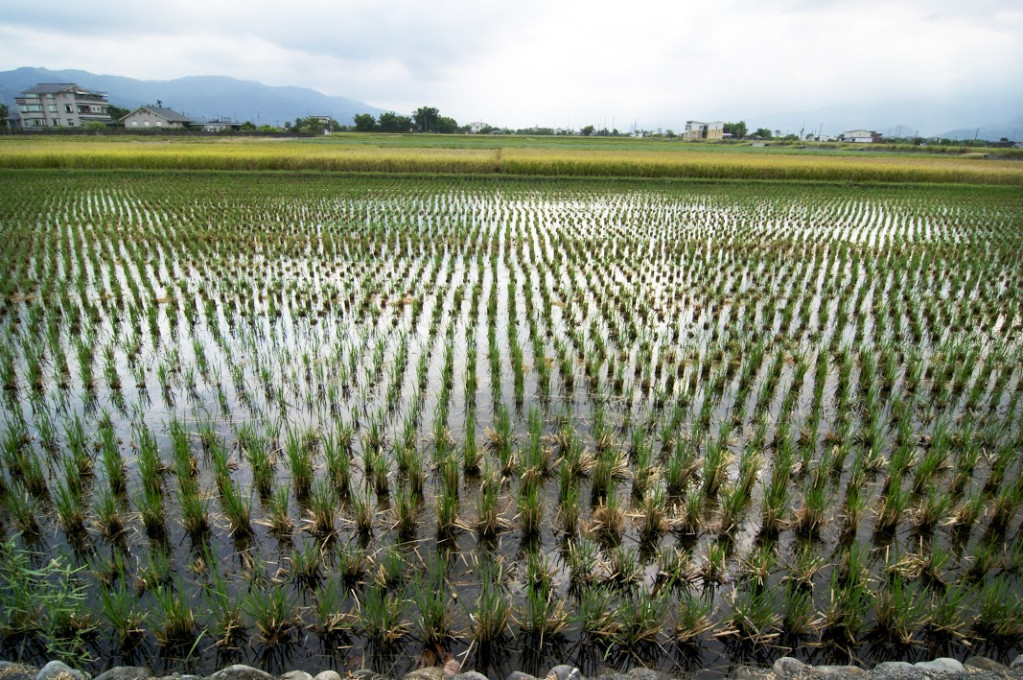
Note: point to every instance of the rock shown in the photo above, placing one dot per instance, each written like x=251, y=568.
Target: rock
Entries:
x=470, y=675
x=897, y=668
x=985, y=664
x=125, y=673
x=17, y=671
x=839, y=671
x=328, y=675
x=451, y=668
x=787, y=667
x=367, y=674
x=566, y=672
x=751, y=673
x=519, y=675
x=58, y=670
x=941, y=665
x=241, y=672
x=645, y=674
x=429, y=673
x=1017, y=662
x=295, y=675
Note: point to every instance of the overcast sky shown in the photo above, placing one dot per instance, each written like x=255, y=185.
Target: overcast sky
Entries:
x=545, y=62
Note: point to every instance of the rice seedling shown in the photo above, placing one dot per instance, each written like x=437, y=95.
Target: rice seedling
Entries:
x=491, y=615
x=272, y=611
x=381, y=616
x=429, y=593
x=173, y=622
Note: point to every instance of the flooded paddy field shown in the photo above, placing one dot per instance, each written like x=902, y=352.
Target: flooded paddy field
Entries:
x=339, y=421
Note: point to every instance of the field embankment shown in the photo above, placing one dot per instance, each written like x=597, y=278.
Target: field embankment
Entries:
x=409, y=155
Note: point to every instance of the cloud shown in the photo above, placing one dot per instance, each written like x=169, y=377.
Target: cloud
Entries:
x=533, y=62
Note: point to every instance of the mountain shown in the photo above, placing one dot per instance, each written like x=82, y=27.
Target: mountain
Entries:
x=1010, y=129
x=926, y=117
x=198, y=97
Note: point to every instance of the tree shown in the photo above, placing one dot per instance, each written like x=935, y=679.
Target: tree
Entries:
x=426, y=118
x=364, y=122
x=762, y=133
x=587, y=131
x=737, y=130
x=446, y=125
x=3, y=116
x=117, y=113
x=392, y=122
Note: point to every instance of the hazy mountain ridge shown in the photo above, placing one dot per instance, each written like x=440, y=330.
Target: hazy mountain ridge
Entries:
x=198, y=97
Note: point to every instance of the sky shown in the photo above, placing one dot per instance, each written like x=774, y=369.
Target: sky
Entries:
x=550, y=63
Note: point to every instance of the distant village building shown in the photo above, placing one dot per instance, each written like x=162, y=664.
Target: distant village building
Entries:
x=697, y=130
x=221, y=126
x=156, y=117
x=477, y=127
x=53, y=105
x=860, y=137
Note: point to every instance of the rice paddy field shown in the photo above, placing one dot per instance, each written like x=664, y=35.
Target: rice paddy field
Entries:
x=312, y=420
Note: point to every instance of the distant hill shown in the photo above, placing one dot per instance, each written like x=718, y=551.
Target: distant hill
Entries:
x=1010, y=129
x=198, y=97
x=930, y=117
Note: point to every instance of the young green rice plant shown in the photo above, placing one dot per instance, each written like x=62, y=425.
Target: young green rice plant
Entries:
x=999, y=611
x=237, y=507
x=799, y=618
x=491, y=614
x=543, y=616
x=322, y=511
x=298, y=450
x=406, y=517
x=429, y=593
x=78, y=446
x=640, y=620
x=107, y=515
x=110, y=455
x=530, y=510
x=713, y=568
x=390, y=568
x=337, y=450
x=277, y=516
x=172, y=621
x=607, y=521
x=753, y=616
x=488, y=516
x=306, y=565
x=22, y=507
x=331, y=621
x=351, y=565
x=70, y=511
x=623, y=567
x=120, y=607
x=272, y=610
x=149, y=504
x=653, y=520
x=362, y=514
x=447, y=514
x=899, y=611
x=381, y=616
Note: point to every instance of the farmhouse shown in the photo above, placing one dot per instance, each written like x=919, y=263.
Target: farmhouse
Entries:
x=860, y=137
x=697, y=130
x=221, y=126
x=148, y=117
x=50, y=105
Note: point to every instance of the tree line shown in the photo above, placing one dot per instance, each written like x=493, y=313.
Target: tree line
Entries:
x=425, y=119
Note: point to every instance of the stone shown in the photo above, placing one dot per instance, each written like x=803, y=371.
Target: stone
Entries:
x=125, y=673
x=241, y=672
x=451, y=668
x=429, y=673
x=985, y=664
x=839, y=671
x=58, y=670
x=787, y=667
x=295, y=675
x=327, y=675
x=470, y=675
x=898, y=668
x=17, y=671
x=645, y=674
x=566, y=672
x=366, y=674
x=1017, y=662
x=941, y=665
x=743, y=672
x=519, y=675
